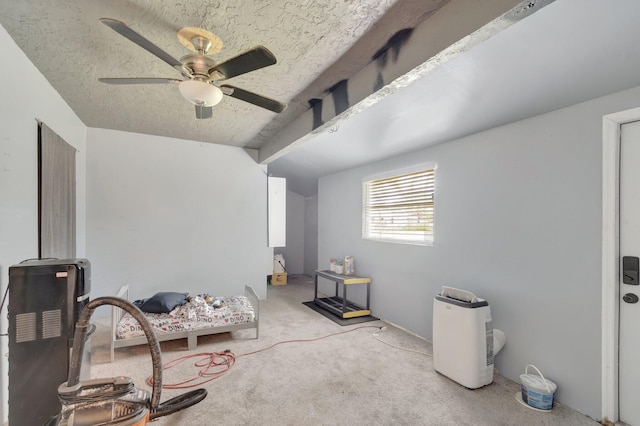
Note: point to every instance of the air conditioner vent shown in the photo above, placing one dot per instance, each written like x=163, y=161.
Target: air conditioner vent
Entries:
x=51, y=324
x=26, y=327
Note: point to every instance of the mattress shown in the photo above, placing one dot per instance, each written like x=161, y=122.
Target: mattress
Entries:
x=195, y=314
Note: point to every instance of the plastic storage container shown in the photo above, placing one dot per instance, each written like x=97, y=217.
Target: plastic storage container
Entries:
x=537, y=391
x=278, y=264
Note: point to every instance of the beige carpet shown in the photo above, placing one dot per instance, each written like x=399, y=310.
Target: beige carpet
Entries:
x=346, y=379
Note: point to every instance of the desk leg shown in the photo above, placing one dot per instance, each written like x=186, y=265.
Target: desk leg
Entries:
x=315, y=294
x=344, y=299
x=368, y=294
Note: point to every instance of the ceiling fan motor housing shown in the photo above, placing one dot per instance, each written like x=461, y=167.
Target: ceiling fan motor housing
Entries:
x=199, y=64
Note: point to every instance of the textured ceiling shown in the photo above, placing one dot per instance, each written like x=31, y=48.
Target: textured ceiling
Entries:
x=466, y=66
x=316, y=43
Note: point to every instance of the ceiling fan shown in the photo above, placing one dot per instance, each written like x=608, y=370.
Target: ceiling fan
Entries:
x=201, y=74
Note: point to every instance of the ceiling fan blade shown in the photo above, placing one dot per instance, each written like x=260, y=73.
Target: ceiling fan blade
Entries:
x=125, y=31
x=251, y=60
x=203, y=112
x=252, y=98
x=139, y=80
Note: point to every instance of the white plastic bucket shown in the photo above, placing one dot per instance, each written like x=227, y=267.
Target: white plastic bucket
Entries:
x=537, y=391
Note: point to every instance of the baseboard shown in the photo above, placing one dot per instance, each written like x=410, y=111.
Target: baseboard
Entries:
x=405, y=330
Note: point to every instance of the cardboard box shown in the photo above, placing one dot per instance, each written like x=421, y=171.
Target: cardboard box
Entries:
x=279, y=278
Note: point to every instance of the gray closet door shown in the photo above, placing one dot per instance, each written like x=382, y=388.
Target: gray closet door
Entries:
x=57, y=195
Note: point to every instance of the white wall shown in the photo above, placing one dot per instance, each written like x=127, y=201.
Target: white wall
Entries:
x=25, y=96
x=301, y=252
x=169, y=214
x=294, y=251
x=311, y=235
x=518, y=222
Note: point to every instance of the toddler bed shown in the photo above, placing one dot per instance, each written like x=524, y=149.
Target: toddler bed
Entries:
x=196, y=317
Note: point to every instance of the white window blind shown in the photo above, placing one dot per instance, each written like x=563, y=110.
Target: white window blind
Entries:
x=399, y=208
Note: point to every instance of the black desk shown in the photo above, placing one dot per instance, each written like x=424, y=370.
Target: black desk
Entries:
x=341, y=306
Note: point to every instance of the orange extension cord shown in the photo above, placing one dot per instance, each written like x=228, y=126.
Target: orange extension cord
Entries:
x=212, y=365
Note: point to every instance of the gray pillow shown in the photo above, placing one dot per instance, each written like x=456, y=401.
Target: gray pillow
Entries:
x=163, y=302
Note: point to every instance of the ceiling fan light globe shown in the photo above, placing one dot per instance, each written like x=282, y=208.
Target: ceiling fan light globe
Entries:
x=200, y=93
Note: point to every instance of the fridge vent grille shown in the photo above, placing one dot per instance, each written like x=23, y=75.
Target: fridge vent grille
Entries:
x=51, y=324
x=26, y=327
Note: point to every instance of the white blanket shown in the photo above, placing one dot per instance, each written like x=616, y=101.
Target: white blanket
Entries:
x=193, y=315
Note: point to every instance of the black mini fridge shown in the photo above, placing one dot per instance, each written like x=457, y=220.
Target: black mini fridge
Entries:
x=46, y=298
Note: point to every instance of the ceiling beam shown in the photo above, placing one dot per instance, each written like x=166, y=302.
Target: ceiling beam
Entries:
x=408, y=55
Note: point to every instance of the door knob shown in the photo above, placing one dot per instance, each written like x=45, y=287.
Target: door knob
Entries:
x=630, y=298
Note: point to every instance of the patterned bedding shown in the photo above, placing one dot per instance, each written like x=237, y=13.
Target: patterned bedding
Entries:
x=193, y=315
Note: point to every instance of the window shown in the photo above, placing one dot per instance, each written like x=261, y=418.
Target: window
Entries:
x=399, y=207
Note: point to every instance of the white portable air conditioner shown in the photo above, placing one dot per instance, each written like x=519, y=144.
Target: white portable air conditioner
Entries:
x=464, y=341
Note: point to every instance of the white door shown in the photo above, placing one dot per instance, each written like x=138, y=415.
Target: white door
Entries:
x=629, y=343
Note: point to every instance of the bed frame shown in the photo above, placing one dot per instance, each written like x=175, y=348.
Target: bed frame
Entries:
x=191, y=335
